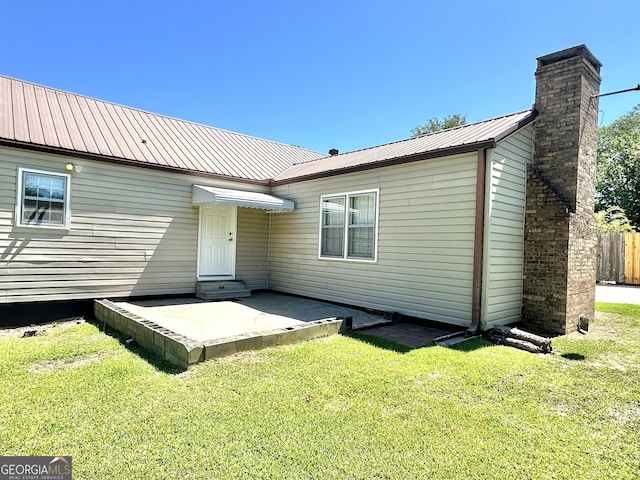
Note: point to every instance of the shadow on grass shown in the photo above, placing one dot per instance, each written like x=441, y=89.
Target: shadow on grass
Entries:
x=472, y=345
x=133, y=346
x=573, y=356
x=465, y=346
x=382, y=342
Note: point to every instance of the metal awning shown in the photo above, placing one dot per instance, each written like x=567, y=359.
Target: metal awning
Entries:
x=204, y=195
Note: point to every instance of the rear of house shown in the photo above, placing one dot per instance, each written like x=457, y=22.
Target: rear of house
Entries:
x=110, y=231
x=406, y=232
x=100, y=200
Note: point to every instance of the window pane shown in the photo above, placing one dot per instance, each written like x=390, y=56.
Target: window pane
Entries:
x=333, y=211
x=57, y=194
x=57, y=183
x=332, y=242
x=361, y=242
x=29, y=211
x=44, y=187
x=362, y=209
x=57, y=188
x=31, y=191
x=56, y=213
x=43, y=210
x=30, y=180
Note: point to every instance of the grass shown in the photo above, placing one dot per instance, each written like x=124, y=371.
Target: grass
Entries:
x=341, y=407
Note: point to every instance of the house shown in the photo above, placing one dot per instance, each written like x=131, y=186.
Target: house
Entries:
x=479, y=225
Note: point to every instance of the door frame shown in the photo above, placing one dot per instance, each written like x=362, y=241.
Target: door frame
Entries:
x=233, y=248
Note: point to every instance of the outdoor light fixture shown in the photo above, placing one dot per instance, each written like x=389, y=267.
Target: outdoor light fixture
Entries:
x=70, y=167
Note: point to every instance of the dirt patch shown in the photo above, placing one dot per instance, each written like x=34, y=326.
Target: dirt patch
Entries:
x=36, y=330
x=601, y=329
x=625, y=414
x=76, y=361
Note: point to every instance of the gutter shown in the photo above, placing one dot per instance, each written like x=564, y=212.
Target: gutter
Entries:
x=127, y=162
x=478, y=243
x=443, y=152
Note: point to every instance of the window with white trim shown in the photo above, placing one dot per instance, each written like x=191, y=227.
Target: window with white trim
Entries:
x=43, y=199
x=348, y=225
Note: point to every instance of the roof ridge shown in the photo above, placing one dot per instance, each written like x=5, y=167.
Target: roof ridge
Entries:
x=159, y=114
x=474, y=123
x=466, y=125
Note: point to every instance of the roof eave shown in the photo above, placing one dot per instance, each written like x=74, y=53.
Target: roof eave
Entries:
x=442, y=152
x=514, y=128
x=125, y=161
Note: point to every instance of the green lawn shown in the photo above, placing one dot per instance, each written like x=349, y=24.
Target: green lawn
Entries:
x=341, y=407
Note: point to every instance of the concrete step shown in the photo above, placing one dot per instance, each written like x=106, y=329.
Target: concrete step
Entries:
x=222, y=290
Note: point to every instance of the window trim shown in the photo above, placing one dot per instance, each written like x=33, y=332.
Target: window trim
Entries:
x=20, y=200
x=345, y=227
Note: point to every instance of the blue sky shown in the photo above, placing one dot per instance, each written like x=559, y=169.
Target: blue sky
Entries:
x=331, y=74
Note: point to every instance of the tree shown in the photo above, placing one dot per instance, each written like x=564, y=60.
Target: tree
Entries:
x=435, y=125
x=618, y=173
x=613, y=219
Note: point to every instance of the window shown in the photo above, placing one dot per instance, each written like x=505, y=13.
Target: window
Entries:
x=348, y=225
x=43, y=199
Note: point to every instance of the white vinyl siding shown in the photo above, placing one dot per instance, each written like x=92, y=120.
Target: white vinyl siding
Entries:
x=133, y=232
x=252, y=247
x=425, y=241
x=504, y=228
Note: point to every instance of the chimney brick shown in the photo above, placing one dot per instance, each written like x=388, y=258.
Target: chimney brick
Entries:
x=560, y=228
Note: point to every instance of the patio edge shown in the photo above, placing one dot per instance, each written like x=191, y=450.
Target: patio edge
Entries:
x=184, y=352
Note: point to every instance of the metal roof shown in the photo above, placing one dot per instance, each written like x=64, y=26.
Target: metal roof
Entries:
x=47, y=119
x=466, y=138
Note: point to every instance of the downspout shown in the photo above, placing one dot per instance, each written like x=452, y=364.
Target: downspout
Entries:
x=269, y=251
x=478, y=243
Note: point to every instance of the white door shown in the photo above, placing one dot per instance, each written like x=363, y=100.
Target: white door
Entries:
x=217, y=242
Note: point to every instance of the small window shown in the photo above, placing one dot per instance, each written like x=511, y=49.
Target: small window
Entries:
x=348, y=226
x=43, y=199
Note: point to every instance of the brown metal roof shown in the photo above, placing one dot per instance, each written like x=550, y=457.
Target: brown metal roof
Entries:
x=43, y=118
x=461, y=139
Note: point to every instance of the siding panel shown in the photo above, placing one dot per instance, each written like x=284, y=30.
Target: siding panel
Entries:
x=425, y=241
x=252, y=248
x=133, y=232
x=504, y=229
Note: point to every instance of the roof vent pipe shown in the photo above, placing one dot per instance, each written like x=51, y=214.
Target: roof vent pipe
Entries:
x=333, y=151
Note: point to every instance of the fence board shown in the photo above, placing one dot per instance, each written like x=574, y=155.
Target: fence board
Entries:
x=611, y=258
x=632, y=258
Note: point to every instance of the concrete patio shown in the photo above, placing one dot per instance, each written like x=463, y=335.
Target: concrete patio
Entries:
x=204, y=320
x=185, y=331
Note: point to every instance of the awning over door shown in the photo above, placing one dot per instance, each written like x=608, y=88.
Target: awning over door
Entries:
x=204, y=195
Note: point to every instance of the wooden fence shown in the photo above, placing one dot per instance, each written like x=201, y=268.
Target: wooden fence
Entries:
x=619, y=258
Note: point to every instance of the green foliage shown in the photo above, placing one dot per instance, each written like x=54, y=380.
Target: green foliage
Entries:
x=613, y=219
x=618, y=174
x=435, y=125
x=331, y=408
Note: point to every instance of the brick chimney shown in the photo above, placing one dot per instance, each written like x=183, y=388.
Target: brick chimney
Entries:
x=560, y=228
